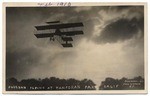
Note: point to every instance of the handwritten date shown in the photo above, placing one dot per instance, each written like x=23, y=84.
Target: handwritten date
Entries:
x=47, y=4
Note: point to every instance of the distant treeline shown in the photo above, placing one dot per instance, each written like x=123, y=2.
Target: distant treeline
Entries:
x=52, y=83
x=137, y=83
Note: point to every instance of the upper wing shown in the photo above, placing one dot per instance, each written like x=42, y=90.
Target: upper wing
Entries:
x=53, y=22
x=44, y=35
x=59, y=26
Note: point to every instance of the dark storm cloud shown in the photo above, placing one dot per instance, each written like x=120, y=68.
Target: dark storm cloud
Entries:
x=121, y=30
x=126, y=26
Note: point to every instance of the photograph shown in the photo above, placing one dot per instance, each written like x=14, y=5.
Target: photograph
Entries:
x=74, y=48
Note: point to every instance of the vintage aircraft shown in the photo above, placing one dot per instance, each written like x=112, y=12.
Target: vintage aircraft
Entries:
x=63, y=32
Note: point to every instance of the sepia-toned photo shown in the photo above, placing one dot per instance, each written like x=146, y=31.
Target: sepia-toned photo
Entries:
x=75, y=48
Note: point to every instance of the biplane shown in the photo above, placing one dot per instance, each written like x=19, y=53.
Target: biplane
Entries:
x=62, y=32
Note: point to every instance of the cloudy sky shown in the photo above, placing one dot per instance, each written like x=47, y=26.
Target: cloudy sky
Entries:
x=112, y=44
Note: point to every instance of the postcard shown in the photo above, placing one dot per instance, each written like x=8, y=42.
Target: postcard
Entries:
x=74, y=48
